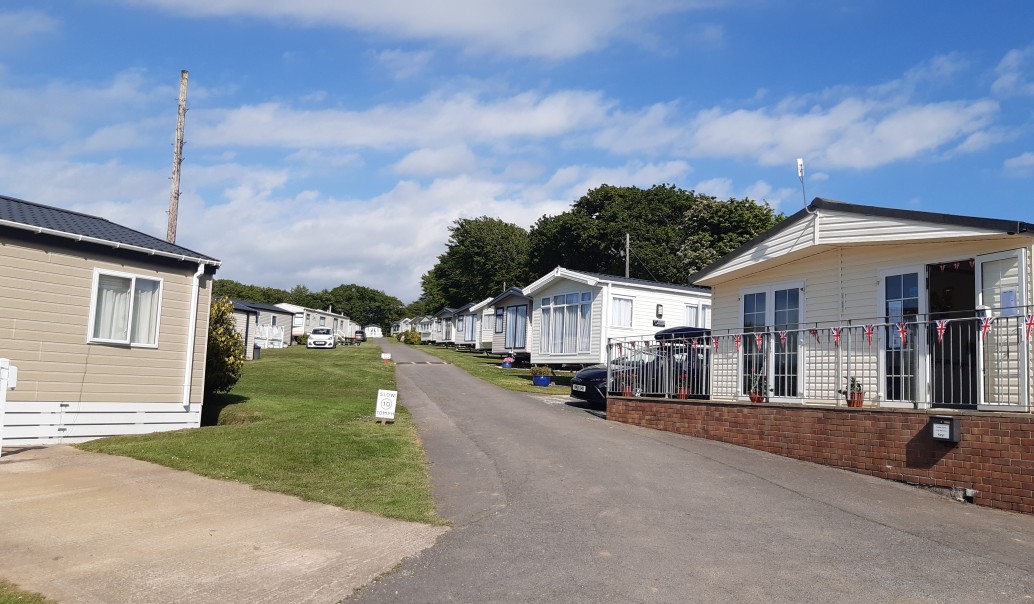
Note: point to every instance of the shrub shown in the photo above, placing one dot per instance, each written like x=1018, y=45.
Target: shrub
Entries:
x=225, y=350
x=411, y=337
x=302, y=339
x=541, y=370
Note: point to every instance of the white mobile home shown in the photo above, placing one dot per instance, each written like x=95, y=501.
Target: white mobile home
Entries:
x=511, y=324
x=485, y=318
x=443, y=328
x=574, y=313
x=467, y=326
x=910, y=309
x=307, y=319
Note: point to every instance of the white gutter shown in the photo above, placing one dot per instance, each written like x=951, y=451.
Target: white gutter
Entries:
x=113, y=244
x=191, y=336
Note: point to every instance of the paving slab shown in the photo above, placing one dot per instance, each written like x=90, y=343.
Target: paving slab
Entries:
x=89, y=527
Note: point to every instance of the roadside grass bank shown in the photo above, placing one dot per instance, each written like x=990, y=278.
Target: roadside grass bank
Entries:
x=489, y=368
x=301, y=422
x=11, y=594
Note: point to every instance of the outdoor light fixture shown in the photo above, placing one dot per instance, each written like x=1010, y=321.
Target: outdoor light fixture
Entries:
x=660, y=310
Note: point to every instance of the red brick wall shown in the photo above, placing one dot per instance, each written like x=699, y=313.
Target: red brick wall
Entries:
x=995, y=457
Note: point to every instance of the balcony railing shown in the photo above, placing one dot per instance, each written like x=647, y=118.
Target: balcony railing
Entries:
x=965, y=363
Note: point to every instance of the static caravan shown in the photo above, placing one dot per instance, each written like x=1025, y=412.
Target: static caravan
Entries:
x=511, y=324
x=107, y=326
x=442, y=329
x=424, y=326
x=485, y=318
x=575, y=313
x=307, y=319
x=274, y=325
x=373, y=331
x=467, y=326
x=245, y=319
x=894, y=308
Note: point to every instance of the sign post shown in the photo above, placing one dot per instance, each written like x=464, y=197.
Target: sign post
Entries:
x=386, y=357
x=9, y=381
x=386, y=400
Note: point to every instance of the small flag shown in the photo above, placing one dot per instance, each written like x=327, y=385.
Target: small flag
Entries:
x=942, y=268
x=835, y=332
x=985, y=326
x=957, y=266
x=621, y=352
x=782, y=338
x=903, y=332
x=759, y=339
x=714, y=342
x=737, y=340
x=1029, y=324
x=942, y=326
x=815, y=332
x=868, y=330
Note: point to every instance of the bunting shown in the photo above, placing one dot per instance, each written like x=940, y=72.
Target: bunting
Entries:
x=759, y=339
x=868, y=330
x=985, y=326
x=714, y=342
x=835, y=332
x=942, y=326
x=782, y=338
x=815, y=333
x=903, y=333
x=1029, y=324
x=737, y=341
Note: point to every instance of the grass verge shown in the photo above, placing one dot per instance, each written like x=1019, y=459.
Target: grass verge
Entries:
x=489, y=368
x=301, y=422
x=11, y=594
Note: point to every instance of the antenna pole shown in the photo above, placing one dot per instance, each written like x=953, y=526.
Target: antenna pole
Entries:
x=177, y=159
x=800, y=175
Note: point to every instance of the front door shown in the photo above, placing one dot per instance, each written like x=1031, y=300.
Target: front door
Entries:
x=1001, y=291
x=952, y=333
x=771, y=343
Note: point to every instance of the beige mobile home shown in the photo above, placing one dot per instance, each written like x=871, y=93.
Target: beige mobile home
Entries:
x=905, y=308
x=246, y=320
x=107, y=326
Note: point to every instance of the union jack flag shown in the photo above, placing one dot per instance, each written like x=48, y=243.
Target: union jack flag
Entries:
x=714, y=342
x=759, y=339
x=1029, y=324
x=737, y=340
x=942, y=326
x=815, y=332
x=621, y=351
x=835, y=332
x=868, y=331
x=782, y=338
x=985, y=326
x=903, y=332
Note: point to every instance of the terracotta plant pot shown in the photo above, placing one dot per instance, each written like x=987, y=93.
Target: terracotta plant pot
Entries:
x=756, y=397
x=682, y=394
x=855, y=398
x=626, y=391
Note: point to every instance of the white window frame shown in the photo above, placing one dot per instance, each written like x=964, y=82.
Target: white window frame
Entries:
x=97, y=273
x=613, y=311
x=696, y=315
x=769, y=290
x=546, y=337
x=922, y=361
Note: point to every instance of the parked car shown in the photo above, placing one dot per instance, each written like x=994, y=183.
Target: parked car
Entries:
x=360, y=336
x=321, y=337
x=676, y=365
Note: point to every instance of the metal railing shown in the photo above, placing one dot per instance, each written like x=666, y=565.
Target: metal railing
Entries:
x=965, y=363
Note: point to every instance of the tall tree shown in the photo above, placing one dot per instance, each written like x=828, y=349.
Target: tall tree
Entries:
x=365, y=305
x=718, y=227
x=251, y=293
x=482, y=255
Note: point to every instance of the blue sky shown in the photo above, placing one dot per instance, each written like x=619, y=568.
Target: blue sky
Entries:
x=331, y=141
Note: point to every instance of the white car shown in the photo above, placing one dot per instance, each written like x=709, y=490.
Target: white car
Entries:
x=321, y=337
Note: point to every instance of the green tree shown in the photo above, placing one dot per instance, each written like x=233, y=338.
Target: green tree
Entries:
x=716, y=228
x=365, y=305
x=482, y=255
x=225, y=357
x=251, y=293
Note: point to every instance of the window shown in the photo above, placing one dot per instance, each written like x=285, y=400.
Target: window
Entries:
x=621, y=312
x=698, y=316
x=775, y=312
x=516, y=326
x=705, y=316
x=566, y=323
x=499, y=319
x=298, y=320
x=125, y=309
x=272, y=320
x=323, y=321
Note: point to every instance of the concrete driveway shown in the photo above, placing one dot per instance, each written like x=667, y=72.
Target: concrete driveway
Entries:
x=88, y=527
x=553, y=504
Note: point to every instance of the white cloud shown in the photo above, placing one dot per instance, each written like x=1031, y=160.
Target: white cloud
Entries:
x=455, y=159
x=21, y=26
x=1022, y=163
x=571, y=182
x=531, y=28
x=404, y=65
x=1012, y=75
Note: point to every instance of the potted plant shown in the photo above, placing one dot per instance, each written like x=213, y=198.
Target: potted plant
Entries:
x=757, y=387
x=507, y=362
x=854, y=394
x=540, y=375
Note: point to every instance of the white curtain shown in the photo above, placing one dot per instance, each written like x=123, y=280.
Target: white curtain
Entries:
x=585, y=329
x=521, y=325
x=571, y=328
x=145, y=312
x=111, y=316
x=547, y=333
x=705, y=318
x=621, y=313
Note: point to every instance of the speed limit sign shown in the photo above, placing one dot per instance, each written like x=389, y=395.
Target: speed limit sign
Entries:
x=386, y=400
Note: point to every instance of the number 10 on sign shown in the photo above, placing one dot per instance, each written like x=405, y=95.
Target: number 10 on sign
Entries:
x=386, y=400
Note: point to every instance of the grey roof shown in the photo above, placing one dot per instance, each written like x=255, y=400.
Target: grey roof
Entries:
x=243, y=306
x=72, y=223
x=820, y=203
x=631, y=281
x=510, y=291
x=265, y=307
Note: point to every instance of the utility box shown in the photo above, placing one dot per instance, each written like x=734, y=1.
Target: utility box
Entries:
x=946, y=428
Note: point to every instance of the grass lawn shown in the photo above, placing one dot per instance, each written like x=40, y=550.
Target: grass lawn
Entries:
x=489, y=368
x=10, y=594
x=301, y=422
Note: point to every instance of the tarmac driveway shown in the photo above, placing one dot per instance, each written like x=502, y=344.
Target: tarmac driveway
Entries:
x=552, y=504
x=89, y=527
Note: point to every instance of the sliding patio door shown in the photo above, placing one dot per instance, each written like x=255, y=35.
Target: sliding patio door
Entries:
x=772, y=342
x=1002, y=358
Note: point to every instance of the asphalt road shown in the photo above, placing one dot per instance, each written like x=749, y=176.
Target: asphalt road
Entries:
x=553, y=504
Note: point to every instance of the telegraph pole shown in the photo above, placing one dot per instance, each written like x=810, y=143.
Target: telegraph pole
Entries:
x=177, y=159
x=628, y=248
